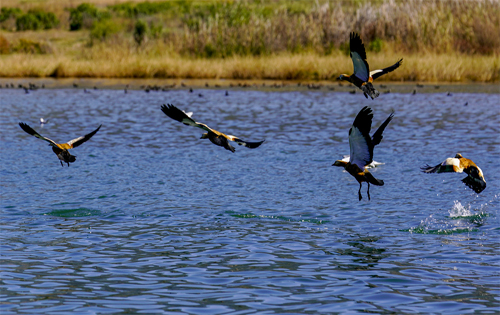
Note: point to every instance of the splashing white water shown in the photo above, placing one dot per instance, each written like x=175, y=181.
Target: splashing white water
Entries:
x=458, y=210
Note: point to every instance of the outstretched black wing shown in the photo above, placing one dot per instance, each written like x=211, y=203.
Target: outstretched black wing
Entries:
x=78, y=141
x=32, y=132
x=179, y=115
x=377, y=73
x=250, y=145
x=377, y=136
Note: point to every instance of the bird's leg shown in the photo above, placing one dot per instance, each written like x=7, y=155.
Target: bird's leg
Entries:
x=67, y=163
x=368, y=191
x=61, y=163
x=359, y=192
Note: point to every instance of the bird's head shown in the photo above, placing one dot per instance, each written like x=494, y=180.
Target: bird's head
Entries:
x=204, y=136
x=339, y=163
x=458, y=156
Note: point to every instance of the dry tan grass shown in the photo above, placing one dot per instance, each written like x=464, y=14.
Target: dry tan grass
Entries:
x=430, y=68
x=439, y=41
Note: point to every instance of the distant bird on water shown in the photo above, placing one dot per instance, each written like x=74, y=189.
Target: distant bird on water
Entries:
x=216, y=137
x=43, y=121
x=361, y=148
x=362, y=77
x=61, y=149
x=475, y=179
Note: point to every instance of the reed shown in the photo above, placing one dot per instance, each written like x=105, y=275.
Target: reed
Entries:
x=309, y=66
x=452, y=41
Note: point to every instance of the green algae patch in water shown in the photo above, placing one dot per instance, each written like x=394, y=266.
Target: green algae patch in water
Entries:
x=426, y=230
x=71, y=213
x=460, y=212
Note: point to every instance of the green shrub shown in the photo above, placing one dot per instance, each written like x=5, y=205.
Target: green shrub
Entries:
x=36, y=20
x=375, y=45
x=155, y=30
x=140, y=30
x=209, y=51
x=143, y=8
x=32, y=47
x=101, y=30
x=84, y=15
x=6, y=13
x=28, y=22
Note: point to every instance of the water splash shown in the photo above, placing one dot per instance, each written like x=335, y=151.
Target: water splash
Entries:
x=458, y=210
x=461, y=219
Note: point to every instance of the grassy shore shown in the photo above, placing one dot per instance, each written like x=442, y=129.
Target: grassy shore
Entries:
x=428, y=68
x=452, y=41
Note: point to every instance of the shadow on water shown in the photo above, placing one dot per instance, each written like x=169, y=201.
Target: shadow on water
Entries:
x=365, y=256
x=68, y=213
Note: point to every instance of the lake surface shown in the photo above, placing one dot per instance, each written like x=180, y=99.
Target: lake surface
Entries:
x=151, y=219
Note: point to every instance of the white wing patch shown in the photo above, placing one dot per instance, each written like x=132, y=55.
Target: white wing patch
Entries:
x=375, y=71
x=360, y=69
x=373, y=164
x=190, y=122
x=70, y=143
x=359, y=150
x=52, y=142
x=480, y=172
x=453, y=162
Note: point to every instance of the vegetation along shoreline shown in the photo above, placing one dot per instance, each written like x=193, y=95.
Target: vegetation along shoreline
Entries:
x=440, y=41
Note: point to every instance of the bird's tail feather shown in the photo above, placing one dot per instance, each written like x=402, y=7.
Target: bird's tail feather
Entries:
x=370, y=90
x=372, y=180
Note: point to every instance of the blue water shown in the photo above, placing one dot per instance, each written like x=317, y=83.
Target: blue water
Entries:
x=151, y=219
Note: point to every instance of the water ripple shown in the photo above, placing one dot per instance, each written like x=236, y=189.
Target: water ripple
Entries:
x=151, y=219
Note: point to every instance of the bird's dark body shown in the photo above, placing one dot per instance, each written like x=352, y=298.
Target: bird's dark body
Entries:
x=220, y=141
x=64, y=156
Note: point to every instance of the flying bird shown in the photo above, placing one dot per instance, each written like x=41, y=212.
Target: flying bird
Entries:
x=61, y=149
x=216, y=137
x=361, y=148
x=362, y=77
x=475, y=179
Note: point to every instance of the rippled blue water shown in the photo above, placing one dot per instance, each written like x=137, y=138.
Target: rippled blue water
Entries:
x=151, y=219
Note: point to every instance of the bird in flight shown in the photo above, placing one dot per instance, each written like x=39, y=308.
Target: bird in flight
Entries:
x=362, y=77
x=216, y=137
x=475, y=179
x=361, y=148
x=61, y=149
